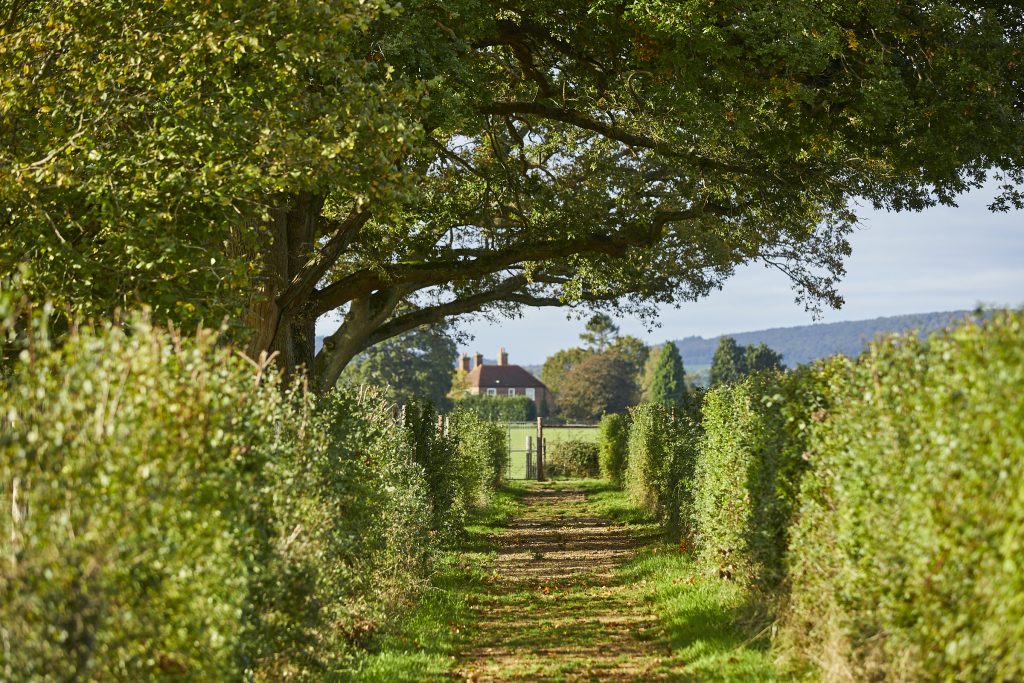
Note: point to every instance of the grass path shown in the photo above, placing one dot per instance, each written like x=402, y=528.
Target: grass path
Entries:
x=564, y=582
x=555, y=606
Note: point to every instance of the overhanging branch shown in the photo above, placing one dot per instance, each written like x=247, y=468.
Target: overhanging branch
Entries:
x=304, y=282
x=422, y=275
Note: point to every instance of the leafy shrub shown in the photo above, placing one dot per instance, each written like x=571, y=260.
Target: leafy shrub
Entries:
x=485, y=444
x=178, y=515
x=498, y=408
x=749, y=464
x=437, y=453
x=613, y=445
x=906, y=557
x=571, y=458
x=659, y=472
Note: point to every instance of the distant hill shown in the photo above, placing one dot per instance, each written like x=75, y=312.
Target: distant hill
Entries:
x=806, y=343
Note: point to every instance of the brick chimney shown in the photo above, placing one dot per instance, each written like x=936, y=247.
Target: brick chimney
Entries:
x=478, y=360
x=502, y=356
x=464, y=362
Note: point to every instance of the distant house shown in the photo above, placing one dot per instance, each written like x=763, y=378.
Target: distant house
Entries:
x=502, y=379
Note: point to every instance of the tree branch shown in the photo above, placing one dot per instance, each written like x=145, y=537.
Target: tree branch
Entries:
x=611, y=131
x=434, y=314
x=439, y=272
x=304, y=282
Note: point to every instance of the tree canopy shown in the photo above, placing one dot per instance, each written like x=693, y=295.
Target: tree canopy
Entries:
x=601, y=331
x=600, y=384
x=730, y=362
x=401, y=166
x=414, y=366
x=733, y=361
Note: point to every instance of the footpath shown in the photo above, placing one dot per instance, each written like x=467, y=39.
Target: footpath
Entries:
x=555, y=609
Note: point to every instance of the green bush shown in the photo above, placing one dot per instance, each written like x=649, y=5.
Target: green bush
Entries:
x=613, y=445
x=485, y=444
x=446, y=477
x=906, y=560
x=498, y=408
x=749, y=464
x=659, y=471
x=572, y=459
x=178, y=515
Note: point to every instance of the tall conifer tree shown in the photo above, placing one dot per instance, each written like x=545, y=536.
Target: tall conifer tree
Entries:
x=669, y=384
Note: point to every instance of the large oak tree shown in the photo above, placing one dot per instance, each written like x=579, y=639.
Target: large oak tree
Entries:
x=402, y=167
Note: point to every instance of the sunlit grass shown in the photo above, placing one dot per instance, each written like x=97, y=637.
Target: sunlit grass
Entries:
x=423, y=645
x=698, y=626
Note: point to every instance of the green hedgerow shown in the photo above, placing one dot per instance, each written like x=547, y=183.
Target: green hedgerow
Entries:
x=572, y=458
x=747, y=476
x=498, y=408
x=485, y=445
x=613, y=445
x=905, y=561
x=177, y=515
x=659, y=472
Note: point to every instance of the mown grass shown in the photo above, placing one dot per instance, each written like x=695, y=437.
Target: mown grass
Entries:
x=422, y=646
x=703, y=628
x=706, y=621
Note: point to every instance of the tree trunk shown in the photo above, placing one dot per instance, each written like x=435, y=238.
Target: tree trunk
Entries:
x=287, y=246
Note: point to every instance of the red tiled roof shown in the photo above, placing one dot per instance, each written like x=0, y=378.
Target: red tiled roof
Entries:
x=487, y=376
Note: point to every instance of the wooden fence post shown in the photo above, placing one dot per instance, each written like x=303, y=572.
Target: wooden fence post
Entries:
x=540, y=449
x=529, y=456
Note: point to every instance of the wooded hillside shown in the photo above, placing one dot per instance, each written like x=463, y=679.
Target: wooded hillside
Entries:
x=805, y=343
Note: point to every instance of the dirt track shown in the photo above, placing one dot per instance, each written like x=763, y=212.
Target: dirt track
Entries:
x=555, y=610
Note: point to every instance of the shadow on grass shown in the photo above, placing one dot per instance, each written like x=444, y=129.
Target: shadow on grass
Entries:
x=421, y=646
x=713, y=630
x=554, y=608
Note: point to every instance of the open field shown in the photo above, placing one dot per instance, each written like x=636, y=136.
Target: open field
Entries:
x=518, y=433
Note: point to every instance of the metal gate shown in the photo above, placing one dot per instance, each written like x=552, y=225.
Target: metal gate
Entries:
x=522, y=450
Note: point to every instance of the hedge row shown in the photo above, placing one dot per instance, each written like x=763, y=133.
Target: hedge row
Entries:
x=572, y=459
x=177, y=514
x=613, y=447
x=878, y=504
x=750, y=460
x=660, y=464
x=907, y=559
x=498, y=408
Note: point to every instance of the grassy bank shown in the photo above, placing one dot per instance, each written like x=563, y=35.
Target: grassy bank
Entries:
x=423, y=646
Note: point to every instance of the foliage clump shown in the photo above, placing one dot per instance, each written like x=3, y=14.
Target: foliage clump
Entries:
x=572, y=459
x=613, y=448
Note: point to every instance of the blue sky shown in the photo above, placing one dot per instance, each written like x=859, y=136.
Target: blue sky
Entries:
x=937, y=260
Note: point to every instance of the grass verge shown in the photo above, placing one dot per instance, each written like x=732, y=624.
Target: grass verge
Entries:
x=708, y=625
x=704, y=619
x=422, y=646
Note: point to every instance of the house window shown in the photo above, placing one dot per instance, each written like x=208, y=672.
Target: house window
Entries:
x=492, y=392
x=511, y=391
x=532, y=393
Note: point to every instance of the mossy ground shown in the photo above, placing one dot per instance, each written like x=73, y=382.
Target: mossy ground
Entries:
x=565, y=581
